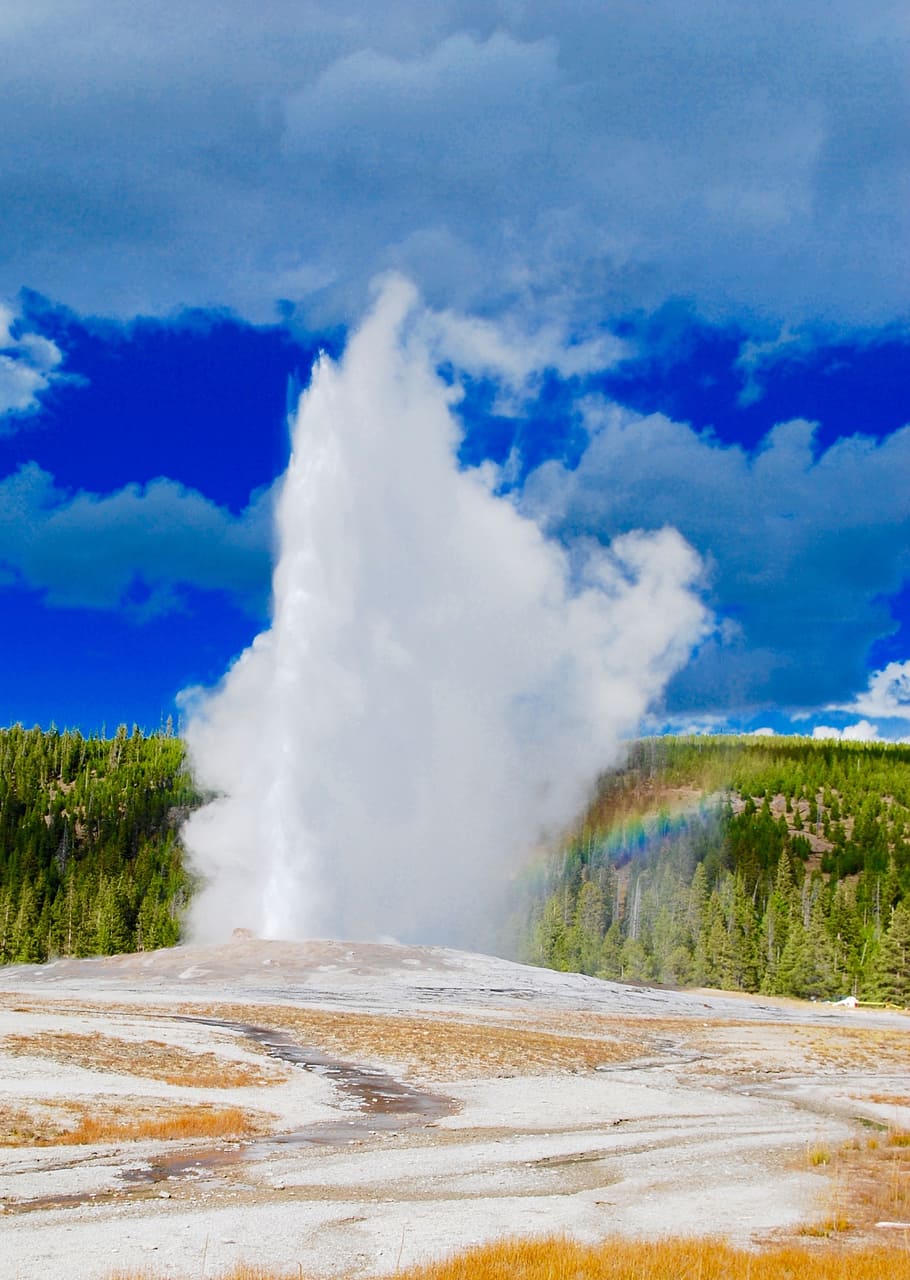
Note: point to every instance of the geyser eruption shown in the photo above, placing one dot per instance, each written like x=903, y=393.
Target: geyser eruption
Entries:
x=440, y=683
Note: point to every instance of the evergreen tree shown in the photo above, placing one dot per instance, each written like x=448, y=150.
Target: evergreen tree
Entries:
x=88, y=834
x=789, y=882
x=892, y=967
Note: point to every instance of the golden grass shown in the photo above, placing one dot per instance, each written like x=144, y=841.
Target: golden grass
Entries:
x=151, y=1059
x=870, y=1183
x=615, y=1259
x=835, y=1224
x=53, y=1123
x=181, y=1123
x=559, y=1259
x=436, y=1048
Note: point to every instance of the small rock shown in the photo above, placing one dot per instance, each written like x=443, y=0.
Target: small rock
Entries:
x=164, y=1195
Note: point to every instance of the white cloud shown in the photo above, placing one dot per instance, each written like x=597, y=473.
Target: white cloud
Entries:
x=514, y=354
x=887, y=696
x=28, y=365
x=577, y=158
x=862, y=731
x=134, y=548
x=802, y=545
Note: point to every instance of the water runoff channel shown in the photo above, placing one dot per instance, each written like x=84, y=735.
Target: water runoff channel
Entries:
x=374, y=1102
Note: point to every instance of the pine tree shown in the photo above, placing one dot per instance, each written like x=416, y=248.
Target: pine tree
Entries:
x=892, y=968
x=586, y=935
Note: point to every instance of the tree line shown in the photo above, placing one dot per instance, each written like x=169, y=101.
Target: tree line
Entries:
x=779, y=865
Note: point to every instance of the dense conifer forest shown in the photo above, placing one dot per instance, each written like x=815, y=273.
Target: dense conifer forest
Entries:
x=90, y=862
x=779, y=865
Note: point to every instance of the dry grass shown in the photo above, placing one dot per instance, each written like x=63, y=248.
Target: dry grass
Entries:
x=433, y=1048
x=181, y=1123
x=765, y=1048
x=561, y=1259
x=52, y=1123
x=151, y=1059
x=855, y=1048
x=870, y=1183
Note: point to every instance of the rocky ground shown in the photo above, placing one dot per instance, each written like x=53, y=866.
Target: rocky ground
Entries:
x=349, y=1107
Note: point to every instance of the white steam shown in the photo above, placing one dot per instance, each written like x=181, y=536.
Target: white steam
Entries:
x=440, y=683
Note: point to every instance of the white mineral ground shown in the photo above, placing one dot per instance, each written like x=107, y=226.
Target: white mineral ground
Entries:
x=703, y=1127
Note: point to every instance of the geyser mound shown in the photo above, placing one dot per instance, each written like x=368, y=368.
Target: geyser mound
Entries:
x=440, y=682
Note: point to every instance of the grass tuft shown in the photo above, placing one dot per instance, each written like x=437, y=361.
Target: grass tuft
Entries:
x=77, y=1124
x=181, y=1123
x=871, y=1183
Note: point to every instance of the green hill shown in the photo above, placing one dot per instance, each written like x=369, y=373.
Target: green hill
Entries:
x=89, y=857
x=761, y=864
x=767, y=864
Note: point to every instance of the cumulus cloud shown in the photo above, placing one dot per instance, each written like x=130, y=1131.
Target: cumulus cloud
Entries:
x=862, y=731
x=802, y=545
x=589, y=157
x=887, y=695
x=133, y=548
x=28, y=366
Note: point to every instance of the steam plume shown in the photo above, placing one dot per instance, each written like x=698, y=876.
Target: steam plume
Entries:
x=440, y=683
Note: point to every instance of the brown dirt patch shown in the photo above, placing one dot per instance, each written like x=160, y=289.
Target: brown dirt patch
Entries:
x=854, y=1048
x=151, y=1059
x=432, y=1048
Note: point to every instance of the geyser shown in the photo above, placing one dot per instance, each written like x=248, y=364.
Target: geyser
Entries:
x=440, y=682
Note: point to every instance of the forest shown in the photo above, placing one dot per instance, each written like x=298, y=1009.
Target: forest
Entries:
x=769, y=864
x=90, y=859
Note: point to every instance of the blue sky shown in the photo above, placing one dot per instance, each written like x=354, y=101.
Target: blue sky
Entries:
x=681, y=232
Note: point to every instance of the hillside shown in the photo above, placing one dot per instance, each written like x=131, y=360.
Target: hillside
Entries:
x=779, y=865
x=89, y=858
